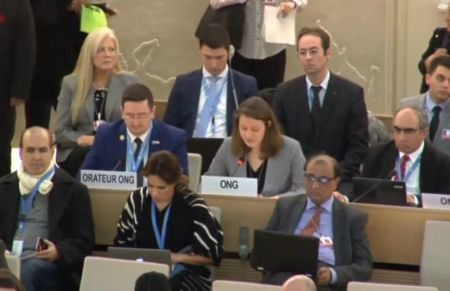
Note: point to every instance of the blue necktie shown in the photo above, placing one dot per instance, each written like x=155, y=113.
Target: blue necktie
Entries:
x=212, y=92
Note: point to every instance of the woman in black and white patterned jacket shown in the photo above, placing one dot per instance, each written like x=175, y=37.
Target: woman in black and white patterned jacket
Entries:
x=167, y=215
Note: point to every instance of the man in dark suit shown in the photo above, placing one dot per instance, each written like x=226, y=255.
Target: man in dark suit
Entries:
x=202, y=102
x=58, y=40
x=410, y=158
x=127, y=144
x=17, y=51
x=42, y=201
x=323, y=111
x=344, y=253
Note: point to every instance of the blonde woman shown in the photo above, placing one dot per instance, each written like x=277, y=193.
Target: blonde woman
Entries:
x=89, y=96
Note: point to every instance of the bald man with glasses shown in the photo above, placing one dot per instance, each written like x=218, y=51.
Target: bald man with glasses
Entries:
x=344, y=253
x=410, y=157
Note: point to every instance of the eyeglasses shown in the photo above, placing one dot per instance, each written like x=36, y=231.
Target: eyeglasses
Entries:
x=407, y=131
x=138, y=116
x=312, y=52
x=323, y=180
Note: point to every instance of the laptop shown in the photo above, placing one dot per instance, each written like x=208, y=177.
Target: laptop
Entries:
x=379, y=191
x=282, y=252
x=207, y=147
x=146, y=255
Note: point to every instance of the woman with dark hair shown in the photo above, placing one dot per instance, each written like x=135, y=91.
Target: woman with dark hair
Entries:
x=167, y=215
x=257, y=149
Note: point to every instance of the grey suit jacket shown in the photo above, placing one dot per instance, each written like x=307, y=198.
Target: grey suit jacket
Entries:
x=284, y=172
x=442, y=136
x=351, y=245
x=66, y=131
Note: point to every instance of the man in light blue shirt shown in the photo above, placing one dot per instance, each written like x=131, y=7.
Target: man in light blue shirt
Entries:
x=344, y=253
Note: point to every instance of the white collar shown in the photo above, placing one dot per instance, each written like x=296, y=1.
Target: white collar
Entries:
x=141, y=137
x=207, y=74
x=324, y=83
x=414, y=155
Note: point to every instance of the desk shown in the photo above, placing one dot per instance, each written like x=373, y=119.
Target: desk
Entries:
x=395, y=233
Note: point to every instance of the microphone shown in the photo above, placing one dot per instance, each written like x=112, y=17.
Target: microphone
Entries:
x=374, y=186
x=239, y=163
x=119, y=162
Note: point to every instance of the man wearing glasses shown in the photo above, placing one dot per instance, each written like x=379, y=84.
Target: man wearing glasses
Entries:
x=344, y=253
x=323, y=111
x=410, y=158
x=125, y=145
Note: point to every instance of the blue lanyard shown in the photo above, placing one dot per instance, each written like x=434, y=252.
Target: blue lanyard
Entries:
x=133, y=165
x=206, y=88
x=409, y=172
x=26, y=203
x=160, y=236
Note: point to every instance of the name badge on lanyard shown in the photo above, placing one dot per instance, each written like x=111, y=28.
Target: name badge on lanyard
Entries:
x=132, y=163
x=25, y=207
x=160, y=235
x=410, y=171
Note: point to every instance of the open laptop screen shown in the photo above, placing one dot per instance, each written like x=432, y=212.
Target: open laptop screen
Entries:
x=379, y=191
x=146, y=255
x=281, y=252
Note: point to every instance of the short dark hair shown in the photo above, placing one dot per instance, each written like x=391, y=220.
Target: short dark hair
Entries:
x=215, y=36
x=321, y=158
x=167, y=167
x=137, y=93
x=439, y=61
x=152, y=281
x=316, y=31
x=257, y=108
x=35, y=129
x=8, y=280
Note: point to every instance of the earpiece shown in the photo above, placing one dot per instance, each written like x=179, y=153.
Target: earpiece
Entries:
x=231, y=52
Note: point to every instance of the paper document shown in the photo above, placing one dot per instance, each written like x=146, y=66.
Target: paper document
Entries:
x=92, y=18
x=279, y=29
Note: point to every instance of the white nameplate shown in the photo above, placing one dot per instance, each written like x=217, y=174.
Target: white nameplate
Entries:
x=436, y=201
x=94, y=179
x=247, y=187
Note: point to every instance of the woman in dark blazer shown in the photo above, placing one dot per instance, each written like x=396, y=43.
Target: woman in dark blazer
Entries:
x=257, y=149
x=89, y=96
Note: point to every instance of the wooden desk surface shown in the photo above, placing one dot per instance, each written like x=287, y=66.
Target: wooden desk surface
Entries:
x=395, y=233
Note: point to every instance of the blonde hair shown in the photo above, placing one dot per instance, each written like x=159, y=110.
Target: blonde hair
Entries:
x=84, y=68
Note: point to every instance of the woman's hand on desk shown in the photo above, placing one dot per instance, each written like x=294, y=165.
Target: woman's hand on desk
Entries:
x=85, y=140
x=190, y=259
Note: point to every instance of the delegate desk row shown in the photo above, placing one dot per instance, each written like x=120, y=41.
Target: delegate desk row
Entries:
x=395, y=233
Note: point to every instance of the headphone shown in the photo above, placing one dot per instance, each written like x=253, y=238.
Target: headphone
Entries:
x=231, y=51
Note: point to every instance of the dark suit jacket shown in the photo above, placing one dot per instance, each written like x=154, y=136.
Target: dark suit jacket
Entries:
x=436, y=41
x=434, y=166
x=110, y=145
x=351, y=245
x=182, y=106
x=71, y=226
x=17, y=48
x=343, y=133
